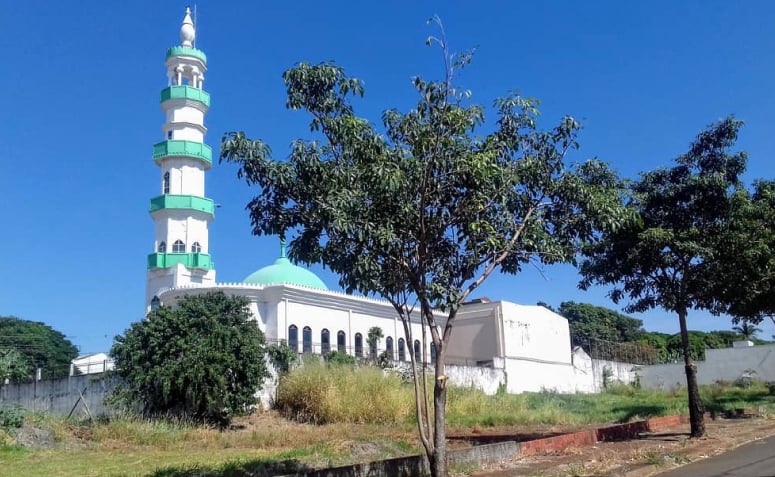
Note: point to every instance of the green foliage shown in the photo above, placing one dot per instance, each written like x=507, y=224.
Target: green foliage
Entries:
x=589, y=322
x=372, y=340
x=41, y=346
x=747, y=330
x=203, y=360
x=746, y=266
x=11, y=417
x=282, y=357
x=339, y=358
x=14, y=366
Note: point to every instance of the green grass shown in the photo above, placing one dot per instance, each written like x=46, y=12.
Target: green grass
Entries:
x=364, y=409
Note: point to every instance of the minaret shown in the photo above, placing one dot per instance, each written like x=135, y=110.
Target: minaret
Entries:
x=182, y=213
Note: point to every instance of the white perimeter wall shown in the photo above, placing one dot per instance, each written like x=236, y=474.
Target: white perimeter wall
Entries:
x=727, y=364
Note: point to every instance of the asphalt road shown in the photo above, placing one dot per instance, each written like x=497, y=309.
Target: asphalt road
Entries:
x=756, y=459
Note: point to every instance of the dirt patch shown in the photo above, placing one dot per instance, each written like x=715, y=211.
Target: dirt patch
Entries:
x=649, y=454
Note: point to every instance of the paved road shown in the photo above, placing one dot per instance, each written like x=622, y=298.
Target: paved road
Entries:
x=756, y=459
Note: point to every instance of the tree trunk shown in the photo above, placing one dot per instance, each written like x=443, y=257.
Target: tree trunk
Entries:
x=696, y=409
x=438, y=461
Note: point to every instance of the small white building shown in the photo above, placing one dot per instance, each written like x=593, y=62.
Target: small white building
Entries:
x=91, y=364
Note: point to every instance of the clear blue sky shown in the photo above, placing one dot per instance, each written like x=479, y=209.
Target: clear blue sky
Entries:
x=80, y=83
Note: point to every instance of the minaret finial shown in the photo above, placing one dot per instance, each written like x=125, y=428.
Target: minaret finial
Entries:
x=187, y=31
x=282, y=248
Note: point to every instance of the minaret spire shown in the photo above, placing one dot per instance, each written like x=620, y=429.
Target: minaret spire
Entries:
x=187, y=30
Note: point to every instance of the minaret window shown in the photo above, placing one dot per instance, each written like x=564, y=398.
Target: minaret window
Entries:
x=155, y=302
x=178, y=247
x=165, y=187
x=169, y=134
x=196, y=248
x=162, y=248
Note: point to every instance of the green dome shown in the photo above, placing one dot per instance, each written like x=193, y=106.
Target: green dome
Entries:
x=282, y=271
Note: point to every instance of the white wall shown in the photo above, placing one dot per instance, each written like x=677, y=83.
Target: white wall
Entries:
x=536, y=333
x=728, y=364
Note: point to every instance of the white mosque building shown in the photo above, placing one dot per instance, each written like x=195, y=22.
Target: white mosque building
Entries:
x=292, y=304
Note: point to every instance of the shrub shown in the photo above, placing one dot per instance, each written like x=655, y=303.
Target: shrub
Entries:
x=11, y=417
x=340, y=358
x=203, y=360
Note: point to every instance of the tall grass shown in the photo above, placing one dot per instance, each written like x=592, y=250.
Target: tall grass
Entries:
x=319, y=393
x=326, y=393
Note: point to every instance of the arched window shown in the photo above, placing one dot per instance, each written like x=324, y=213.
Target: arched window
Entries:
x=155, y=302
x=401, y=349
x=178, y=247
x=196, y=248
x=293, y=338
x=306, y=339
x=325, y=341
x=162, y=248
x=341, y=341
x=165, y=184
x=433, y=353
x=389, y=346
x=358, y=344
x=417, y=351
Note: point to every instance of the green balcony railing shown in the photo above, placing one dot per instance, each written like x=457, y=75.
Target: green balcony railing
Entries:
x=175, y=147
x=191, y=202
x=189, y=260
x=187, y=51
x=185, y=92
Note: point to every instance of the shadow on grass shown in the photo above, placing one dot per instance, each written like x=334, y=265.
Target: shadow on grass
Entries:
x=253, y=468
x=731, y=401
x=640, y=411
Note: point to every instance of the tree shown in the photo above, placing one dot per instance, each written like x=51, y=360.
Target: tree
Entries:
x=589, y=322
x=372, y=340
x=425, y=211
x=747, y=330
x=13, y=366
x=746, y=266
x=203, y=359
x=663, y=258
x=40, y=345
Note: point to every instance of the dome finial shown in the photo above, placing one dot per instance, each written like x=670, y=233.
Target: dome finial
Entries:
x=282, y=248
x=187, y=31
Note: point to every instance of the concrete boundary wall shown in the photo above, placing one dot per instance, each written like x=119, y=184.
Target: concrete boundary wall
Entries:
x=60, y=396
x=727, y=364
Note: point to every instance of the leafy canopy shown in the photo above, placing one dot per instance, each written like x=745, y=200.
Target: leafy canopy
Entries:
x=746, y=266
x=423, y=208
x=664, y=258
x=39, y=345
x=203, y=359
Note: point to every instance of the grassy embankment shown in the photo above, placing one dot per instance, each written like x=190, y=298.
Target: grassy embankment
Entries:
x=358, y=416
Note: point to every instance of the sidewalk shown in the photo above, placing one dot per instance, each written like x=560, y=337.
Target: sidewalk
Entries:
x=647, y=455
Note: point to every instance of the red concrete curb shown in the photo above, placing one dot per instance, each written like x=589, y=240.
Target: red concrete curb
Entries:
x=593, y=436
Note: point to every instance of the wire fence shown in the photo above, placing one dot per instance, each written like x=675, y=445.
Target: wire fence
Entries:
x=634, y=353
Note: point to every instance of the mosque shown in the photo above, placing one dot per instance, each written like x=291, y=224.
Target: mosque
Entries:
x=289, y=302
